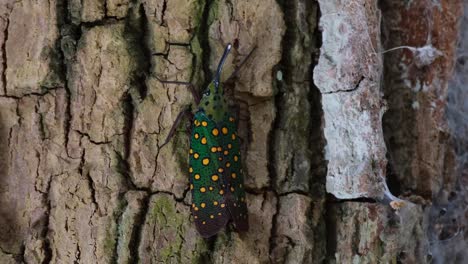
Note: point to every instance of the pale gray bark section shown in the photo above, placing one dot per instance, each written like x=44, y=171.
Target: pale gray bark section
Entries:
x=348, y=75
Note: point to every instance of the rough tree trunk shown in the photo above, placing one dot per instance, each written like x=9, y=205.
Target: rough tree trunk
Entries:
x=323, y=109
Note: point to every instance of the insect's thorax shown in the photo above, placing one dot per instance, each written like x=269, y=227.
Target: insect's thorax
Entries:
x=213, y=103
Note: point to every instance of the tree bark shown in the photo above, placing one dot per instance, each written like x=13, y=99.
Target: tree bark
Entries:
x=354, y=152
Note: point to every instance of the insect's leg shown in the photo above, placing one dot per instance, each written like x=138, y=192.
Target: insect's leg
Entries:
x=236, y=71
x=190, y=86
x=179, y=117
x=240, y=113
x=188, y=127
x=237, y=110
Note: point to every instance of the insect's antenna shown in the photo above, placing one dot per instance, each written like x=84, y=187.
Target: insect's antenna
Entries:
x=221, y=62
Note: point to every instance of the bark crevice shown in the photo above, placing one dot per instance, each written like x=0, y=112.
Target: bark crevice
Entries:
x=5, y=61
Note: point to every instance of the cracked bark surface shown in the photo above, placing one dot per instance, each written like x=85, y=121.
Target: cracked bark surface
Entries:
x=83, y=178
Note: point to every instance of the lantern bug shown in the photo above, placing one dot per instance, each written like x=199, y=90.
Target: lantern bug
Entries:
x=215, y=170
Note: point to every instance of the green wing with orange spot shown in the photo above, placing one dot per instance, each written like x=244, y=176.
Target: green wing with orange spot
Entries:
x=233, y=176
x=209, y=207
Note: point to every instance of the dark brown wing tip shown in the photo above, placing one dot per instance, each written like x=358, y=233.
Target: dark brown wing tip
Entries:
x=211, y=227
x=208, y=234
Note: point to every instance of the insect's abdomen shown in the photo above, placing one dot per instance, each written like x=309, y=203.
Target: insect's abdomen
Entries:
x=209, y=207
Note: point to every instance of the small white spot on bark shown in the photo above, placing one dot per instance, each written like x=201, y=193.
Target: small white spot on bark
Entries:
x=279, y=75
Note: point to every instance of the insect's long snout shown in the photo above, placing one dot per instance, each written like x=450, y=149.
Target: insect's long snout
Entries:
x=221, y=63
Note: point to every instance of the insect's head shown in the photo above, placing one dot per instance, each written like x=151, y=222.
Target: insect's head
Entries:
x=213, y=101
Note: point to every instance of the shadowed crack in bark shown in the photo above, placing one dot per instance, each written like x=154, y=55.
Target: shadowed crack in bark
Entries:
x=163, y=14
x=46, y=91
x=273, y=231
x=348, y=90
x=333, y=200
x=86, y=135
x=129, y=114
x=119, y=217
x=137, y=230
x=92, y=189
x=102, y=22
x=5, y=63
x=45, y=232
x=204, y=41
x=66, y=42
x=38, y=156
